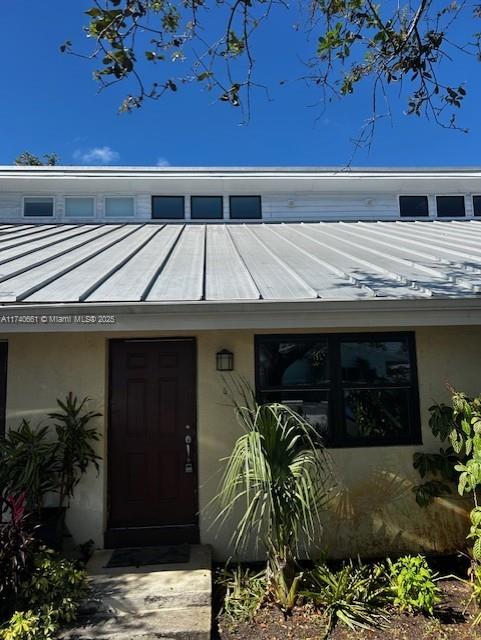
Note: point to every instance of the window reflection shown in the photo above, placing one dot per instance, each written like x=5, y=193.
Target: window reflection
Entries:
x=376, y=413
x=375, y=362
x=290, y=364
x=313, y=406
x=355, y=390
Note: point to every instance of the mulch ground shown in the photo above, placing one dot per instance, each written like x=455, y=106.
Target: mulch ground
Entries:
x=449, y=623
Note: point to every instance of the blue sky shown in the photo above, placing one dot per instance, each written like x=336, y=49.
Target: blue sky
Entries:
x=51, y=104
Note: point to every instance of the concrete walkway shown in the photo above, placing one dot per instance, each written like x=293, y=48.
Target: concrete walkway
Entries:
x=169, y=601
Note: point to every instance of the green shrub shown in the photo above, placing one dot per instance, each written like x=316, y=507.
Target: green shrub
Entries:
x=245, y=592
x=27, y=464
x=414, y=585
x=55, y=582
x=23, y=625
x=47, y=599
x=34, y=463
x=356, y=595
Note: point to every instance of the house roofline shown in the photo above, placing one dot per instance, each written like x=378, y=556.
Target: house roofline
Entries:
x=321, y=171
x=241, y=315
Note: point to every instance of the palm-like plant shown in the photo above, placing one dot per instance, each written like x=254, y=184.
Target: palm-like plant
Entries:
x=75, y=438
x=27, y=464
x=281, y=477
x=34, y=463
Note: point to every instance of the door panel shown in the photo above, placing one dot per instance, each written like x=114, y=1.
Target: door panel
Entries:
x=152, y=410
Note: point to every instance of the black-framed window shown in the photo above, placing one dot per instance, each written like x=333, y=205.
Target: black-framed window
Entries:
x=413, y=206
x=450, y=206
x=245, y=207
x=168, y=207
x=477, y=205
x=3, y=385
x=41, y=206
x=206, y=208
x=355, y=389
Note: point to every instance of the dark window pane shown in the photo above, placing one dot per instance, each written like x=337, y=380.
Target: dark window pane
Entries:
x=477, y=205
x=38, y=207
x=312, y=405
x=375, y=362
x=450, y=206
x=356, y=389
x=377, y=414
x=413, y=206
x=293, y=363
x=206, y=207
x=169, y=207
x=245, y=207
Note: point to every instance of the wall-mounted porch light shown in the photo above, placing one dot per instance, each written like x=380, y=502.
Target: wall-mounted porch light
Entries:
x=224, y=360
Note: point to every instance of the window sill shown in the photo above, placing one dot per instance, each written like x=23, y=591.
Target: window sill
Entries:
x=373, y=444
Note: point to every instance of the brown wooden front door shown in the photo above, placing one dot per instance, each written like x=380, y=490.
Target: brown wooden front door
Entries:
x=152, y=443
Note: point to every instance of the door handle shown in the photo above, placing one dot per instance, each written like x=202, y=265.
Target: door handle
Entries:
x=188, y=458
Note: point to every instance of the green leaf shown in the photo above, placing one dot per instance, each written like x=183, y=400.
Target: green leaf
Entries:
x=204, y=75
x=477, y=549
x=466, y=427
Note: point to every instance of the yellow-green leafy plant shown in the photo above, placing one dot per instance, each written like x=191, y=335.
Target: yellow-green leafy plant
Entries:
x=48, y=598
x=461, y=425
x=56, y=582
x=23, y=625
x=468, y=439
x=414, y=585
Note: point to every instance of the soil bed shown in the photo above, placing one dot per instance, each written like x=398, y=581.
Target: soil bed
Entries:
x=449, y=623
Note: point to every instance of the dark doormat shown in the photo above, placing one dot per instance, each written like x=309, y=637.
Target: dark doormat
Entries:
x=141, y=556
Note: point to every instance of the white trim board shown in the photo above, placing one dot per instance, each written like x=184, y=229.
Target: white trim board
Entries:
x=202, y=316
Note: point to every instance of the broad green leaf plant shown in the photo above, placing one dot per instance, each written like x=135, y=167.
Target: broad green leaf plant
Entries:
x=278, y=478
x=459, y=424
x=414, y=585
x=468, y=439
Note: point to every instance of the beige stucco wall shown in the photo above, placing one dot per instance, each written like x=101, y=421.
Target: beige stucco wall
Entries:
x=43, y=367
x=376, y=512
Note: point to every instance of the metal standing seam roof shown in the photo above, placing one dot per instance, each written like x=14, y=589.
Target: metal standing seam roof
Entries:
x=97, y=263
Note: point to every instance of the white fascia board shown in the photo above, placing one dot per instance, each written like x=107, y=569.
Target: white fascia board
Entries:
x=281, y=173
x=262, y=315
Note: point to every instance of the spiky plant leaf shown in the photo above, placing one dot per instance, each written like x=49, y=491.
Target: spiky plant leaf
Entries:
x=276, y=482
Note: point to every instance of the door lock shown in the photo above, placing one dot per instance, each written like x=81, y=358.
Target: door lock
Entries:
x=188, y=458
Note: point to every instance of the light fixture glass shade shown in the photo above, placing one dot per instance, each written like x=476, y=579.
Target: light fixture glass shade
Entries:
x=224, y=360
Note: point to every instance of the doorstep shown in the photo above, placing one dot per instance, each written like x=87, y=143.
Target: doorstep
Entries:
x=169, y=601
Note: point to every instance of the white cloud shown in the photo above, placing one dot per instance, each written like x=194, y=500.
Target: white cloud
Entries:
x=163, y=162
x=97, y=155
